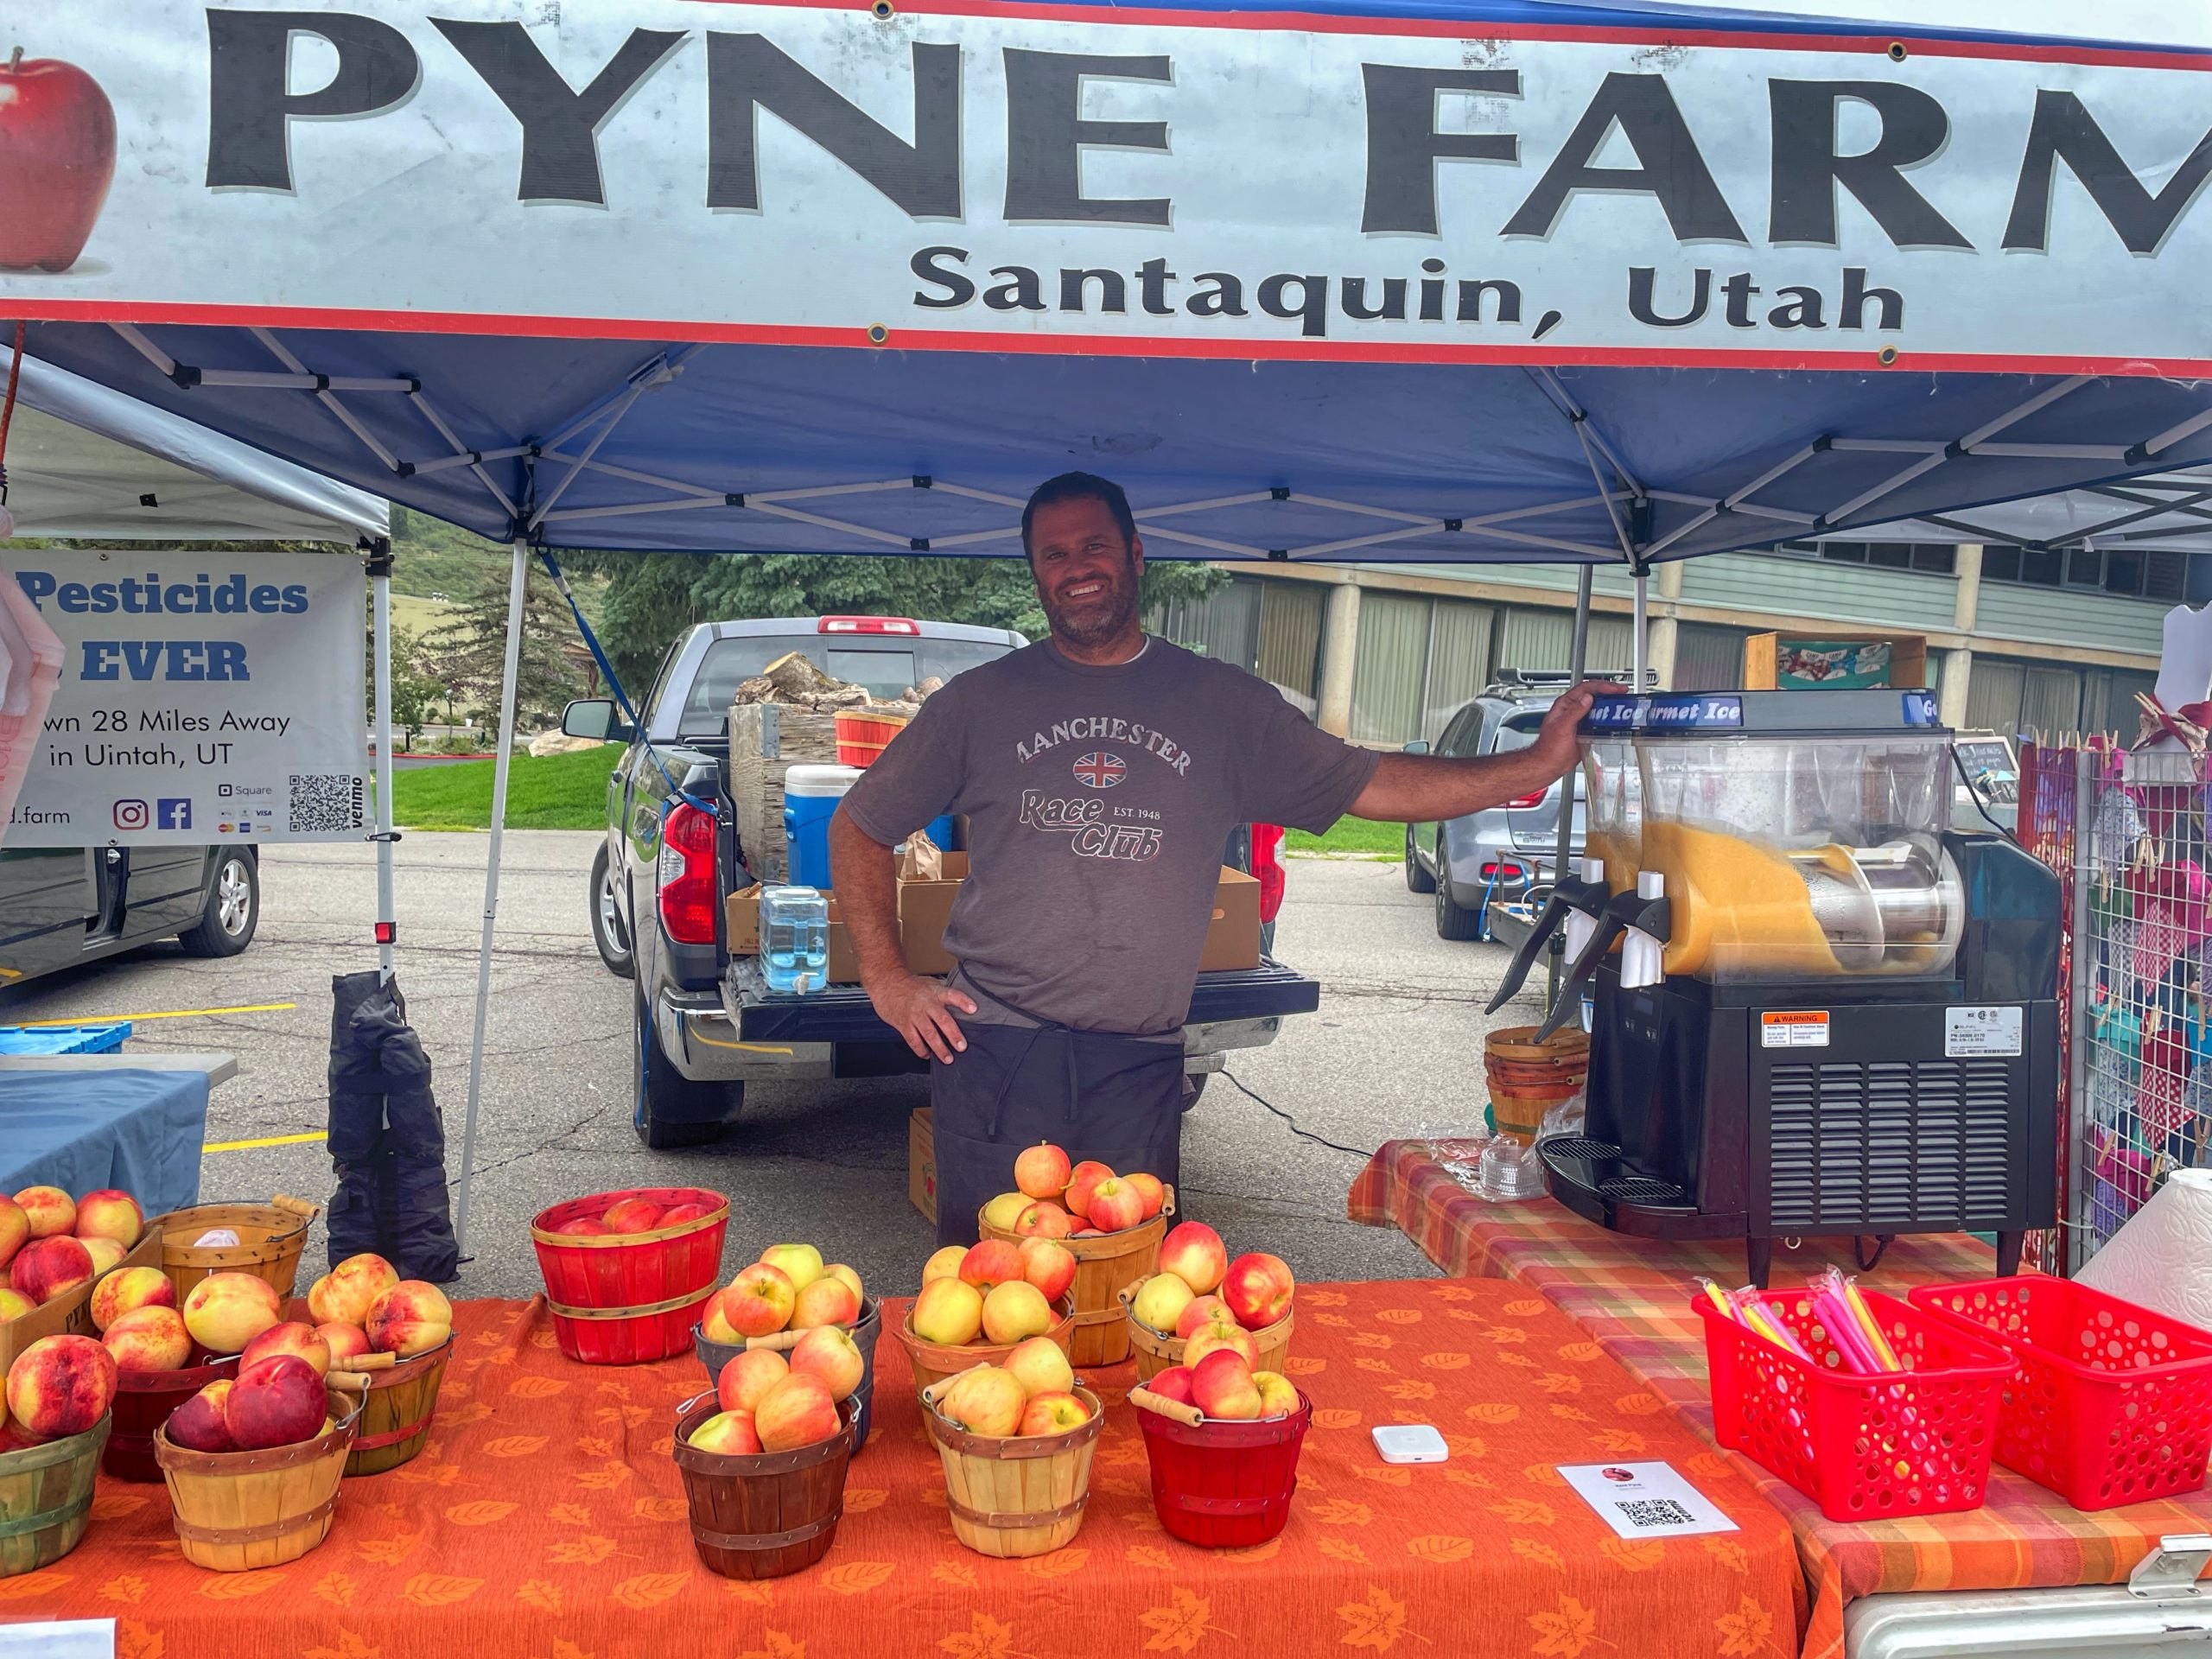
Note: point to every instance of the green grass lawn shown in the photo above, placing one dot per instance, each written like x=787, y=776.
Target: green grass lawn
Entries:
x=1353, y=836
x=563, y=791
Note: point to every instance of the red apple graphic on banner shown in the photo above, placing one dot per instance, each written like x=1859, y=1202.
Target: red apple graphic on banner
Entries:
x=57, y=159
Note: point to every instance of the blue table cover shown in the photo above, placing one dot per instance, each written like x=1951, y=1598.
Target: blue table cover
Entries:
x=82, y=1130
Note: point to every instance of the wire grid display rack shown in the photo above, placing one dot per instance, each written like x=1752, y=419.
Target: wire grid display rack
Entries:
x=2125, y=833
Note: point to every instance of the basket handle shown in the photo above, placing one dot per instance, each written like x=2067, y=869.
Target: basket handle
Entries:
x=939, y=1389
x=353, y=1363
x=347, y=1382
x=1160, y=1405
x=1167, y=1202
x=299, y=1207
x=778, y=1341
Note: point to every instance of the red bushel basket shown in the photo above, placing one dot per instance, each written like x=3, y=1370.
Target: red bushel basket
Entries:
x=2112, y=1402
x=620, y=1299
x=1915, y=1442
x=1222, y=1484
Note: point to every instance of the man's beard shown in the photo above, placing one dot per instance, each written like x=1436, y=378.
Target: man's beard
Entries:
x=1100, y=620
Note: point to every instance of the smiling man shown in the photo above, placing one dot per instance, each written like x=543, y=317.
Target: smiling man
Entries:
x=1101, y=771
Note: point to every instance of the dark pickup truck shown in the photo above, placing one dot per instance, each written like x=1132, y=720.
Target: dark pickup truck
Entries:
x=706, y=1023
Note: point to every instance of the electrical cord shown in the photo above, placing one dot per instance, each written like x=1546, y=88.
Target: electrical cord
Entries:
x=1975, y=795
x=1296, y=1129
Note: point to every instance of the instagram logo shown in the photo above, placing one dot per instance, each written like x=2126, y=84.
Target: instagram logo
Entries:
x=130, y=814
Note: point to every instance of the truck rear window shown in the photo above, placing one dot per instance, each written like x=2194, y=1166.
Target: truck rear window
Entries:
x=888, y=670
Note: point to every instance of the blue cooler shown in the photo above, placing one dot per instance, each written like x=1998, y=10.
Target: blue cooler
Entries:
x=811, y=797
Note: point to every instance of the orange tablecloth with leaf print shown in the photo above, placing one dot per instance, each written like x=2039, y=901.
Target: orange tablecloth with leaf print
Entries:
x=544, y=1518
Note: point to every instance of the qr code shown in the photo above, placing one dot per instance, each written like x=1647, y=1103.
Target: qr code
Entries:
x=325, y=800
x=1653, y=1512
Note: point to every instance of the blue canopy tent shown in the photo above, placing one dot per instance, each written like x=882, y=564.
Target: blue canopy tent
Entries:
x=1964, y=278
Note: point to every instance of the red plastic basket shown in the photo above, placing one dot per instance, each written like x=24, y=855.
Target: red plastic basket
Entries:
x=620, y=1299
x=2112, y=1402
x=1861, y=1447
x=1225, y=1484
x=861, y=738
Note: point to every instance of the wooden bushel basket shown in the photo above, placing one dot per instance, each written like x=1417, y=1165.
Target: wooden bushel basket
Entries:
x=46, y=1498
x=762, y=1514
x=143, y=1401
x=396, y=1410
x=235, y=1511
x=1156, y=1353
x=1102, y=1266
x=1022, y=1495
x=271, y=1237
x=934, y=1361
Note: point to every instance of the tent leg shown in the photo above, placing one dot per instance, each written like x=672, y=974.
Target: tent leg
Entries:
x=515, y=585
x=1577, y=665
x=387, y=918
x=1638, y=646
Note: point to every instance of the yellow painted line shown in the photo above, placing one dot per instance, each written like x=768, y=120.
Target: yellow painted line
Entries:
x=750, y=1048
x=265, y=1140
x=173, y=1014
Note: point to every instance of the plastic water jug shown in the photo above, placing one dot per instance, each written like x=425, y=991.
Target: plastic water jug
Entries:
x=794, y=938
x=811, y=797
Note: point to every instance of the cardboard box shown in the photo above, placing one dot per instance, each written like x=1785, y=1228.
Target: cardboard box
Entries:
x=921, y=1164
x=1764, y=654
x=72, y=1315
x=742, y=927
x=926, y=905
x=1233, y=937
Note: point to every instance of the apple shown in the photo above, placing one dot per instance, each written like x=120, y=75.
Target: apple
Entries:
x=731, y=1434
x=584, y=1227
x=631, y=1216
x=50, y=1211
x=676, y=1214
x=61, y=1385
x=984, y=1401
x=1087, y=1232
x=1258, y=1288
x=798, y=1411
x=845, y=1276
x=1043, y=1219
x=197, y=1424
x=344, y=1294
x=57, y=134
x=945, y=1264
x=1278, y=1395
x=989, y=1264
x=1152, y=1190
x=106, y=1254
x=13, y=1305
x=410, y=1319
x=1005, y=1210
x=148, y=1339
x=949, y=1311
x=1042, y=1171
x=1200, y=1312
x=1216, y=1337
x=829, y=1355
x=1173, y=1383
x=1053, y=1414
x=1194, y=1253
x=801, y=1263
x=278, y=1401
x=1222, y=1386
x=109, y=1213
x=15, y=1229
x=119, y=1293
x=1081, y=1179
x=1048, y=1265
x=747, y=1377
x=291, y=1337
x=1039, y=1366
x=826, y=1301
x=714, y=1328
x=1014, y=1310
x=50, y=1267
x=1115, y=1205
x=1160, y=1302
x=344, y=1341
x=758, y=1301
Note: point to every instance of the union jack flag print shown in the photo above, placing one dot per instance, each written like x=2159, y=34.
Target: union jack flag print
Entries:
x=1101, y=769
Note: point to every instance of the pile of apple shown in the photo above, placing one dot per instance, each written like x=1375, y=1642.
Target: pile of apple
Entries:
x=1054, y=1199
x=52, y=1244
x=363, y=1306
x=770, y=1403
x=995, y=1291
x=1224, y=1386
x=789, y=1288
x=632, y=1216
x=57, y=1385
x=1202, y=1296
x=1031, y=1393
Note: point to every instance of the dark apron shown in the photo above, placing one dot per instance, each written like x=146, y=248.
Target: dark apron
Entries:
x=1098, y=1094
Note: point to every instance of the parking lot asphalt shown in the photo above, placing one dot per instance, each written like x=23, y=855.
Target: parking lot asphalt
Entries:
x=1393, y=1050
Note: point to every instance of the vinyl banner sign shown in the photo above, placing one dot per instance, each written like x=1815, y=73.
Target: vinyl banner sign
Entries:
x=1182, y=183
x=204, y=697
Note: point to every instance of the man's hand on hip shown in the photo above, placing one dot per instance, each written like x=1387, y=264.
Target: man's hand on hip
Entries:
x=920, y=1010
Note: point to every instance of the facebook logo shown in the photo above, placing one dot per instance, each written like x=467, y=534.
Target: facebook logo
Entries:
x=172, y=812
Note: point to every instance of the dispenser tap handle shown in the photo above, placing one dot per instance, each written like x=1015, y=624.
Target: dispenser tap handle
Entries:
x=1568, y=892
x=1610, y=921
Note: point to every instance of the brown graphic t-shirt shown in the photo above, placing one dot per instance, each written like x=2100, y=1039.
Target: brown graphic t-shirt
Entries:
x=1098, y=802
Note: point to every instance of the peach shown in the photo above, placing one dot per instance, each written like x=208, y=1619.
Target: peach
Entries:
x=225, y=1310
x=1048, y=1265
x=1258, y=1288
x=801, y=1263
x=943, y=1264
x=798, y=1411
x=984, y=1401
x=1082, y=1179
x=584, y=1227
x=1222, y=1386
x=1213, y=1339
x=1053, y=1414
x=109, y=1213
x=1160, y=1302
x=829, y=1355
x=1201, y=1311
x=1173, y=1383
x=716, y=1326
x=676, y=1214
x=198, y=1425
x=989, y=1264
x=13, y=1305
x=826, y=1301
x=50, y=1211
x=410, y=1319
x=1152, y=1190
x=1042, y=1171
x=119, y=1293
x=845, y=1276
x=106, y=1253
x=1039, y=1366
x=344, y=1294
x=747, y=1377
x=15, y=1229
x=290, y=1338
x=278, y=1401
x=1015, y=1310
x=631, y=1216
x=1005, y=1210
x=949, y=1311
x=1043, y=1219
x=148, y=1339
x=61, y=1385
x=731, y=1434
x=1193, y=1253
x=1278, y=1395
x=759, y=1300
x=50, y=1267
x=1115, y=1206
x=344, y=1341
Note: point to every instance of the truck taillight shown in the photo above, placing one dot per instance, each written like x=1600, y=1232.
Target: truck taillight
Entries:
x=687, y=876
x=1536, y=799
x=1267, y=867
x=868, y=625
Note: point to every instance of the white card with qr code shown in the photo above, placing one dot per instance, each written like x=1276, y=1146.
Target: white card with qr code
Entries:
x=1645, y=1500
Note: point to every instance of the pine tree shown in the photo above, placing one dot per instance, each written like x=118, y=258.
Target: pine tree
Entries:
x=466, y=653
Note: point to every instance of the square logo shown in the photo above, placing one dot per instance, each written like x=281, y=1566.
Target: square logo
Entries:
x=172, y=812
x=130, y=814
x=224, y=791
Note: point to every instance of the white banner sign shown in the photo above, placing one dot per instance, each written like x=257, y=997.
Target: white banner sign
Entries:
x=204, y=696
x=1206, y=183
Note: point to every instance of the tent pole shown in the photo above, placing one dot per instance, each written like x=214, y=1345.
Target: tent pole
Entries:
x=1577, y=665
x=1637, y=648
x=507, y=673
x=380, y=591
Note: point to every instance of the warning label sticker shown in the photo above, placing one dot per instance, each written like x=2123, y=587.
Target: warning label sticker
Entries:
x=1794, y=1028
